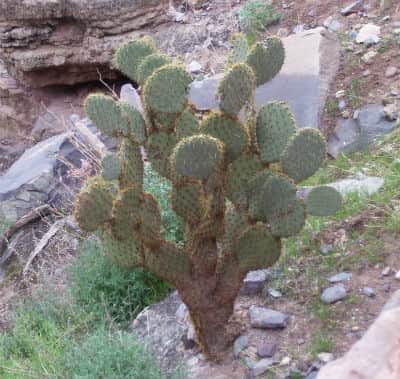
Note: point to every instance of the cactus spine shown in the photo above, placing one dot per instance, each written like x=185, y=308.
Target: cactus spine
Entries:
x=234, y=184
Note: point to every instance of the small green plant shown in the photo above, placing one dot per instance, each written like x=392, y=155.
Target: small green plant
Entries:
x=256, y=16
x=106, y=290
x=331, y=107
x=354, y=92
x=322, y=342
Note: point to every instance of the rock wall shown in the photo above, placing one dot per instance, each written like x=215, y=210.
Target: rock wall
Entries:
x=47, y=42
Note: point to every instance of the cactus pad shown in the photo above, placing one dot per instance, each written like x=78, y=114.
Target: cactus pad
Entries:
x=323, y=201
x=166, y=90
x=159, y=149
x=255, y=192
x=94, y=204
x=230, y=132
x=275, y=126
x=106, y=114
x=266, y=61
x=235, y=223
x=186, y=125
x=136, y=125
x=257, y=248
x=150, y=221
x=132, y=170
x=197, y=157
x=291, y=222
x=240, y=49
x=126, y=254
x=304, y=154
x=111, y=167
x=236, y=89
x=150, y=64
x=186, y=202
x=239, y=175
x=126, y=213
x=130, y=55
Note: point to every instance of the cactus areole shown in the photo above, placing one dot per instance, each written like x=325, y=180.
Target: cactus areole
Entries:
x=234, y=182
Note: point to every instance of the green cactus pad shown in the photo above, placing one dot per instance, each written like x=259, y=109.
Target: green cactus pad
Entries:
x=126, y=254
x=230, y=132
x=159, y=149
x=150, y=64
x=150, y=222
x=323, y=201
x=235, y=223
x=275, y=126
x=239, y=51
x=106, y=114
x=169, y=262
x=186, y=125
x=255, y=192
x=94, y=204
x=126, y=213
x=136, y=124
x=236, y=89
x=197, y=157
x=132, y=170
x=304, y=154
x=167, y=89
x=130, y=55
x=239, y=175
x=291, y=222
x=111, y=167
x=277, y=196
x=266, y=61
x=186, y=202
x=257, y=248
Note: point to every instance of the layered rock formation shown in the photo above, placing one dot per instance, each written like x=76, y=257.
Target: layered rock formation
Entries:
x=47, y=42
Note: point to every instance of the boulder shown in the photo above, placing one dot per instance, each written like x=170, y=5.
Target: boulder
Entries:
x=376, y=355
x=47, y=42
x=312, y=59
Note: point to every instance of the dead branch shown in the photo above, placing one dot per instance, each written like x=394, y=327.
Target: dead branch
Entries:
x=43, y=243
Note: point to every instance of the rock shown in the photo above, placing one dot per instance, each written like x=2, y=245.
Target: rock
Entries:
x=339, y=94
x=342, y=105
x=333, y=25
x=261, y=366
x=46, y=125
x=285, y=361
x=267, y=350
x=387, y=271
x=354, y=7
x=325, y=357
x=368, y=58
x=180, y=17
x=311, y=64
x=239, y=345
x=385, y=4
x=254, y=282
x=397, y=276
x=341, y=277
x=333, y=294
x=274, y=293
x=194, y=67
x=375, y=355
x=39, y=177
x=358, y=133
x=298, y=29
x=130, y=95
x=49, y=42
x=391, y=112
x=391, y=71
x=265, y=318
x=369, y=34
x=326, y=249
x=368, y=291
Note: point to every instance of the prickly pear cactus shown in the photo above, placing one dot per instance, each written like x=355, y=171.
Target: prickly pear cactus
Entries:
x=234, y=180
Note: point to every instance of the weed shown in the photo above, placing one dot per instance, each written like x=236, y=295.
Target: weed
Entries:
x=322, y=342
x=331, y=107
x=354, y=92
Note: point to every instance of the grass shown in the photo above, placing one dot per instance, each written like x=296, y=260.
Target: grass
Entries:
x=256, y=16
x=354, y=92
x=322, y=342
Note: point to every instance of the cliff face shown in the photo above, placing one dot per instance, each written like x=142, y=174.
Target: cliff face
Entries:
x=47, y=42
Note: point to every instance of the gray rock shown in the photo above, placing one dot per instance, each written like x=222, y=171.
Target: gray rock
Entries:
x=333, y=294
x=325, y=357
x=254, y=282
x=261, y=366
x=354, y=7
x=341, y=277
x=194, y=67
x=239, y=345
x=46, y=125
x=267, y=350
x=274, y=293
x=369, y=33
x=333, y=25
x=311, y=64
x=391, y=71
x=298, y=29
x=387, y=271
x=368, y=291
x=342, y=105
x=265, y=318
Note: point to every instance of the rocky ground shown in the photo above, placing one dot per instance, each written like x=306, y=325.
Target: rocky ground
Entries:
x=333, y=280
